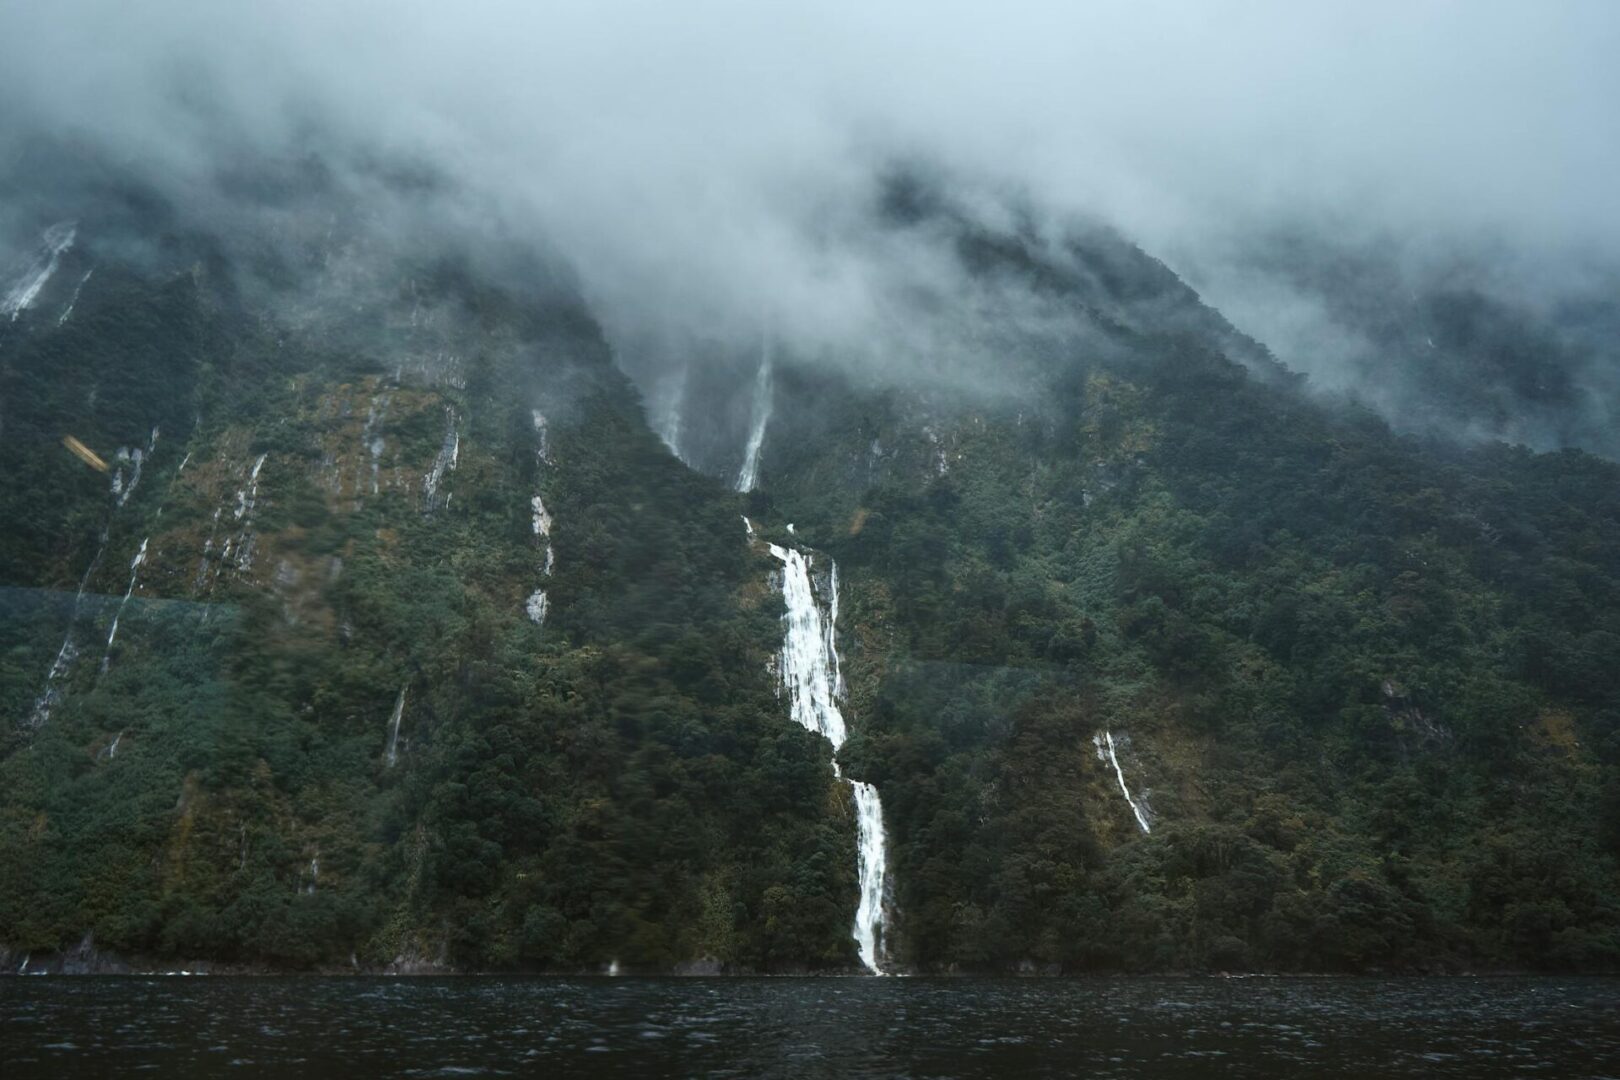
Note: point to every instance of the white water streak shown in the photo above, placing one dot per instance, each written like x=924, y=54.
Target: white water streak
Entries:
x=670, y=423
x=75, y=299
x=748, y=476
x=134, y=574
x=25, y=290
x=1106, y=752
x=810, y=672
x=69, y=652
x=448, y=456
x=542, y=435
x=393, y=728
x=535, y=606
x=376, y=413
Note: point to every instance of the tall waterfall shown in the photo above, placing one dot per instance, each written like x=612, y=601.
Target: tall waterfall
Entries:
x=749, y=474
x=810, y=673
x=1106, y=752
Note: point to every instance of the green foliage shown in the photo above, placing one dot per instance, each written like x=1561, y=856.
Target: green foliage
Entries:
x=1368, y=685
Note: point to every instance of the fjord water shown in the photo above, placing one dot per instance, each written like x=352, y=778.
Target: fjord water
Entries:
x=1126, y=1027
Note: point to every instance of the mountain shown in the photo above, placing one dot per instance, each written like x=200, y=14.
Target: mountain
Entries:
x=1475, y=342
x=366, y=622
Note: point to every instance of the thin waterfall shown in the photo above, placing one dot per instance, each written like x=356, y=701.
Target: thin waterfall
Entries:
x=810, y=673
x=1106, y=752
x=748, y=476
x=25, y=290
x=670, y=419
x=393, y=728
x=68, y=654
x=75, y=299
x=540, y=522
x=134, y=574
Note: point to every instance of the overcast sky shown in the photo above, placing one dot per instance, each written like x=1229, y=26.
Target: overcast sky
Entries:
x=698, y=150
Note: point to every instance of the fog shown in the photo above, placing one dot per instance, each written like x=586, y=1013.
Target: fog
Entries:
x=708, y=168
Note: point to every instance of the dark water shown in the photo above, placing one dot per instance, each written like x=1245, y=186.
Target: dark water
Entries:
x=355, y=1028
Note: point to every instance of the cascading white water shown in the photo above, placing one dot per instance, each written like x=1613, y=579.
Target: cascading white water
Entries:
x=874, y=853
x=542, y=436
x=248, y=496
x=134, y=573
x=376, y=414
x=393, y=728
x=748, y=476
x=448, y=457
x=1106, y=752
x=22, y=294
x=540, y=522
x=69, y=652
x=63, y=318
x=810, y=672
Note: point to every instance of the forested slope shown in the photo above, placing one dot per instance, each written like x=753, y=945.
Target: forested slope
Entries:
x=1363, y=685
x=430, y=654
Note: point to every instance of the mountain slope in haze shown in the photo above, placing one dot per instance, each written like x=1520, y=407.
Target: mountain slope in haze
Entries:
x=1360, y=685
x=430, y=656
x=1156, y=662
x=1475, y=344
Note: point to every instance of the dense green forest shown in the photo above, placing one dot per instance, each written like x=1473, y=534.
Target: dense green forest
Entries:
x=1366, y=685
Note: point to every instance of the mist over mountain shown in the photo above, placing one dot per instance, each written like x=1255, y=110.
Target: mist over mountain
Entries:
x=726, y=489
x=710, y=173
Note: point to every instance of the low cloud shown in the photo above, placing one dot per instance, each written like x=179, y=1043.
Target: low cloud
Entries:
x=709, y=168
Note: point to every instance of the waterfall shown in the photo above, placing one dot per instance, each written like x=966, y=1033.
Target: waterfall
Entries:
x=71, y=303
x=669, y=419
x=1106, y=752
x=393, y=728
x=248, y=496
x=448, y=457
x=540, y=522
x=135, y=459
x=869, y=919
x=373, y=443
x=810, y=673
x=246, y=500
x=48, y=697
x=749, y=475
x=134, y=572
x=22, y=294
x=542, y=435
x=69, y=652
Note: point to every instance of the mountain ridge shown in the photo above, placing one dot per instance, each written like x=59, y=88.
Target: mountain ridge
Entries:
x=1157, y=662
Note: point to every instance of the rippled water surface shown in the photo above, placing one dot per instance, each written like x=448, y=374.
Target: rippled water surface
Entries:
x=353, y=1027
